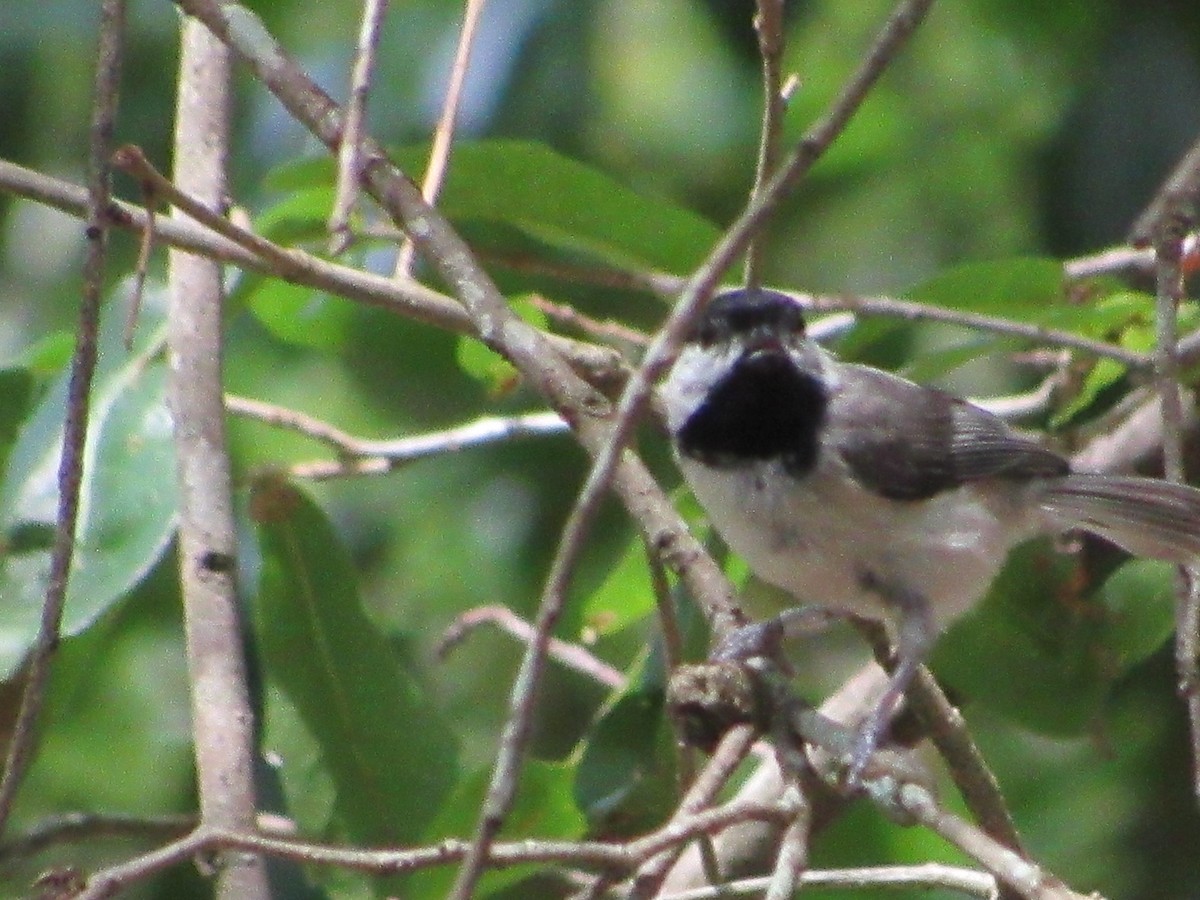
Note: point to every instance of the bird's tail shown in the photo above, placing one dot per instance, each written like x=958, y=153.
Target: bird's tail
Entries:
x=1149, y=518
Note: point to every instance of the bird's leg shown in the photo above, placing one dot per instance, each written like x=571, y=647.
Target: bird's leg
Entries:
x=765, y=638
x=915, y=635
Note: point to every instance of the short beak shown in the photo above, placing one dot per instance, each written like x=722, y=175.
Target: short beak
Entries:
x=763, y=340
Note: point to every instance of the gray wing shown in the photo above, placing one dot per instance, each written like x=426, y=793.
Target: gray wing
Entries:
x=908, y=442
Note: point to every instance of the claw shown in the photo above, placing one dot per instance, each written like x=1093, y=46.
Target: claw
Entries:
x=916, y=633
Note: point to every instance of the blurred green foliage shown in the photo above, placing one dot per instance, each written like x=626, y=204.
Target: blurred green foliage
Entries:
x=600, y=132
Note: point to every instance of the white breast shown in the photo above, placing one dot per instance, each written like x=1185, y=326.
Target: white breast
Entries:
x=821, y=537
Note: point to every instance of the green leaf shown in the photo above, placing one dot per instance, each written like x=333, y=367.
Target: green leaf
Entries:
x=290, y=746
x=1028, y=650
x=16, y=394
x=550, y=197
x=625, y=778
x=299, y=315
x=303, y=213
x=48, y=355
x=486, y=365
x=127, y=504
x=1103, y=375
x=1023, y=288
x=390, y=757
x=1105, y=316
x=625, y=597
x=117, y=704
x=937, y=363
x=1140, y=600
x=1044, y=647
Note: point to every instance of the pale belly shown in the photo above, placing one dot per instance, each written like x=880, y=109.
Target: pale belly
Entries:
x=828, y=542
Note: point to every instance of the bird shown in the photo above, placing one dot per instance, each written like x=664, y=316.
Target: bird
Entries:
x=862, y=494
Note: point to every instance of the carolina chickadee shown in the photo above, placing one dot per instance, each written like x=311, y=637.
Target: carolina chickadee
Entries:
x=869, y=495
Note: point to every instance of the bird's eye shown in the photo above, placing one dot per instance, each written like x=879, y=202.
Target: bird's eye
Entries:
x=708, y=331
x=793, y=321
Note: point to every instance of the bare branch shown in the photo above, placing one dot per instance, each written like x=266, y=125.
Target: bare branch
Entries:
x=609, y=331
x=443, y=134
x=222, y=719
x=1177, y=204
x=792, y=858
x=420, y=303
x=363, y=456
x=928, y=876
x=109, y=58
x=605, y=856
x=768, y=25
x=70, y=828
x=142, y=266
x=573, y=656
x=725, y=759
x=1025, y=877
x=1170, y=293
x=349, y=169
x=917, y=312
x=230, y=243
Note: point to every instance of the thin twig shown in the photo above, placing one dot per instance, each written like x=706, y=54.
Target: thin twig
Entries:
x=609, y=330
x=664, y=602
x=672, y=644
x=443, y=134
x=230, y=244
x=502, y=790
x=908, y=310
x=131, y=159
x=725, y=759
x=927, y=876
x=395, y=452
x=1126, y=260
x=72, y=828
x=142, y=267
x=1111, y=261
x=768, y=25
x=664, y=285
x=573, y=656
x=222, y=717
x=1187, y=660
x=349, y=158
x=972, y=776
x=1170, y=292
x=607, y=856
x=1014, y=407
x=1027, y=878
x=792, y=857
x=1176, y=206
x=109, y=59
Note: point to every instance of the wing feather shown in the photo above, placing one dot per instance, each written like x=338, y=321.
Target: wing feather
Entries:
x=908, y=442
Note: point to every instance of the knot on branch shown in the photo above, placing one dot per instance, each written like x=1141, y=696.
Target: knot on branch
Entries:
x=707, y=699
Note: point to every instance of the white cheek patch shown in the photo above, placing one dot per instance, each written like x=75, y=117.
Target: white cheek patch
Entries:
x=691, y=378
